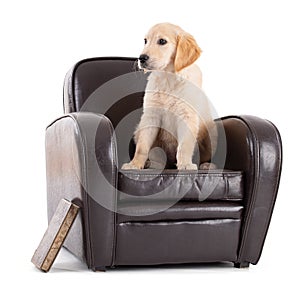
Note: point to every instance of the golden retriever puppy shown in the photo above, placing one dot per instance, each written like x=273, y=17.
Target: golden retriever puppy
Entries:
x=176, y=114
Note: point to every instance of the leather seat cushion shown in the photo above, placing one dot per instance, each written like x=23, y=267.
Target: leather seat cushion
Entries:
x=154, y=211
x=200, y=185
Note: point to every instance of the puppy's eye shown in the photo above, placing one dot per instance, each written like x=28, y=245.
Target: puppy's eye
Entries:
x=162, y=42
x=145, y=40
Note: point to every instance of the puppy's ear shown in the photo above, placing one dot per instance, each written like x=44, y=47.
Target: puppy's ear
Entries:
x=187, y=51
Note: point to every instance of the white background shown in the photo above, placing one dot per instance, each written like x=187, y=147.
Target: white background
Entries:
x=250, y=63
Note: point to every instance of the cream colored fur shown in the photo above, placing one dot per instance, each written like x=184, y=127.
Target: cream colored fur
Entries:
x=176, y=113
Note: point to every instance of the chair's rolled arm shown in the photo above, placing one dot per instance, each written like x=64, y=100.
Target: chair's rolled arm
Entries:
x=81, y=165
x=254, y=146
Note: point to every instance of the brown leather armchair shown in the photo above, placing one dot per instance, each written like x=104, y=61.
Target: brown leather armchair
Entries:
x=148, y=217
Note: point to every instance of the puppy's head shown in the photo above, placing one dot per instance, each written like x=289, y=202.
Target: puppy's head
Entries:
x=168, y=48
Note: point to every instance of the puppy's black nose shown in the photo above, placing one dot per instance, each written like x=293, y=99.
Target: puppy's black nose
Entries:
x=143, y=58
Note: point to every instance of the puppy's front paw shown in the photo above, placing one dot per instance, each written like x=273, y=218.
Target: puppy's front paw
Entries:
x=187, y=166
x=129, y=166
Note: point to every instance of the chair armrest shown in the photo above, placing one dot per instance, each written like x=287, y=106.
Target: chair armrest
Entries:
x=81, y=166
x=254, y=146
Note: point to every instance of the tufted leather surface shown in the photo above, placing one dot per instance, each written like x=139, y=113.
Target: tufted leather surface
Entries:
x=184, y=185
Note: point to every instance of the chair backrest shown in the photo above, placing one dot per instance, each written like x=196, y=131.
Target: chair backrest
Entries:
x=111, y=86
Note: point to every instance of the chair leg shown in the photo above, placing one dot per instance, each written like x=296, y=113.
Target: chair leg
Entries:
x=241, y=264
x=99, y=269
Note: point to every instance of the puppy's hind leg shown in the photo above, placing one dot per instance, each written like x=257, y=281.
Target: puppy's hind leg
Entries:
x=207, y=142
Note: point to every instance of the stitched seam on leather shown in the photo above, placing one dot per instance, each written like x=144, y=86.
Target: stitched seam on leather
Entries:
x=88, y=200
x=174, y=176
x=178, y=222
x=114, y=178
x=256, y=168
x=140, y=173
x=226, y=188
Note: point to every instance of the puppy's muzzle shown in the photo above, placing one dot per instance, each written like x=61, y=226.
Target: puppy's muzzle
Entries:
x=143, y=60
